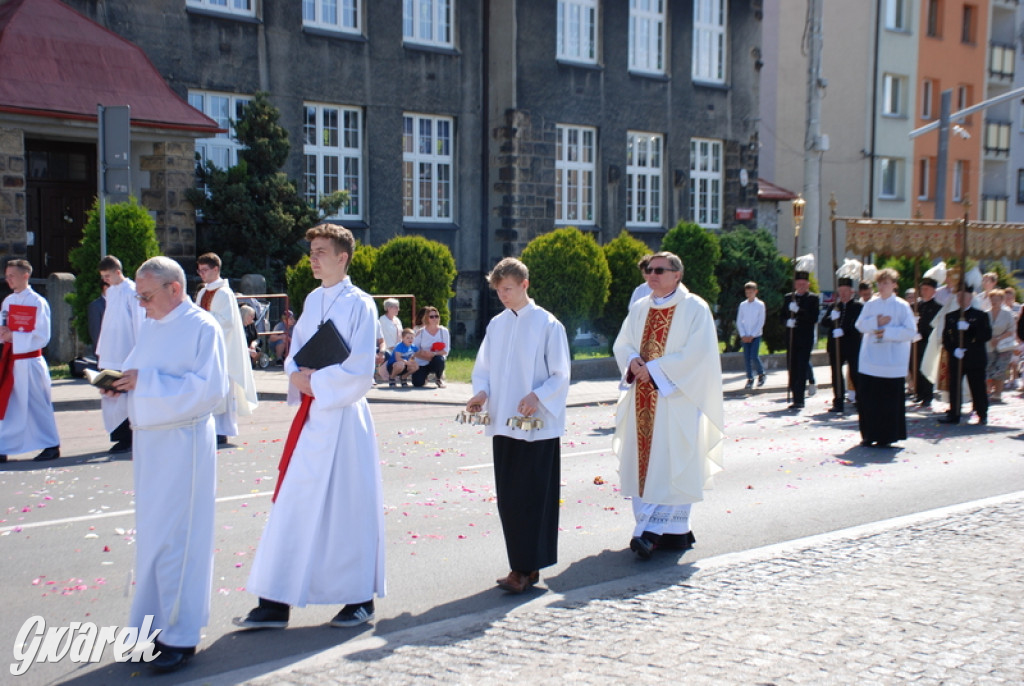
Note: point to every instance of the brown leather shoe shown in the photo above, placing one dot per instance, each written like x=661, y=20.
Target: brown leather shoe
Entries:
x=517, y=582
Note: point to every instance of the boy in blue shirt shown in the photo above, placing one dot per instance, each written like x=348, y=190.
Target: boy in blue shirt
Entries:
x=402, y=362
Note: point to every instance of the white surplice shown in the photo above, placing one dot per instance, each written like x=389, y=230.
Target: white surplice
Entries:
x=523, y=352
x=122, y=318
x=686, y=447
x=324, y=539
x=29, y=423
x=182, y=379
x=242, y=400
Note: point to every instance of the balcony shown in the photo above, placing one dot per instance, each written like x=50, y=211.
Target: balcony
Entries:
x=1001, y=58
x=997, y=139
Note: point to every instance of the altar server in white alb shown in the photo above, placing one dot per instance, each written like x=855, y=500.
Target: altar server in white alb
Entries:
x=522, y=370
x=174, y=378
x=217, y=298
x=669, y=421
x=122, y=318
x=26, y=412
x=324, y=540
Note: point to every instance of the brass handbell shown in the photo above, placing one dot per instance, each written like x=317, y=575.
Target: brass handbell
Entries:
x=473, y=418
x=525, y=423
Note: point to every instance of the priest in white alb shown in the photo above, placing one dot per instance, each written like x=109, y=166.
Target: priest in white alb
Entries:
x=522, y=370
x=217, y=298
x=175, y=379
x=26, y=411
x=122, y=318
x=324, y=539
x=669, y=420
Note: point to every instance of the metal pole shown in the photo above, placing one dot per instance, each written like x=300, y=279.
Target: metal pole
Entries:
x=942, y=160
x=101, y=164
x=812, y=133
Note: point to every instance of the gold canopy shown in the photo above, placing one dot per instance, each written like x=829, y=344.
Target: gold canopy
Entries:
x=932, y=237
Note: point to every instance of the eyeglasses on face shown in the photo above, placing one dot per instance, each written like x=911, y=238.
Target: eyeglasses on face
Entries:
x=148, y=297
x=658, y=270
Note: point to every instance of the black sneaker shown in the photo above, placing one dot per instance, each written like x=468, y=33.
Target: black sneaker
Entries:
x=51, y=453
x=750, y=384
x=760, y=380
x=354, y=615
x=264, y=617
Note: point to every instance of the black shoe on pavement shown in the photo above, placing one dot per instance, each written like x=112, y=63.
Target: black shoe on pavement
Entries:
x=642, y=547
x=121, y=447
x=268, y=615
x=760, y=380
x=796, y=406
x=171, y=659
x=3, y=458
x=750, y=384
x=51, y=453
x=222, y=439
x=836, y=408
x=354, y=615
x=949, y=420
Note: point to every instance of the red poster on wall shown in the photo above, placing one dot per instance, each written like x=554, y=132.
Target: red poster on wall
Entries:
x=21, y=318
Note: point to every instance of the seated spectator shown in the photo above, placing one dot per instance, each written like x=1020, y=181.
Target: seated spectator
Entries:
x=252, y=337
x=402, y=360
x=281, y=338
x=434, y=343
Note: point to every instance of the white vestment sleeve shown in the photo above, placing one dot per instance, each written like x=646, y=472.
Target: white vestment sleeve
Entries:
x=554, y=392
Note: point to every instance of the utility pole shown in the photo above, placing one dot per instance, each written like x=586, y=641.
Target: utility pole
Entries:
x=809, y=242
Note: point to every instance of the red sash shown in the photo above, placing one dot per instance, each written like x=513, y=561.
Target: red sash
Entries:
x=289, y=443
x=7, y=359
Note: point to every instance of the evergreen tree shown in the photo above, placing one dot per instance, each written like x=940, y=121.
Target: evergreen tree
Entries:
x=131, y=238
x=622, y=253
x=750, y=256
x=252, y=215
x=699, y=250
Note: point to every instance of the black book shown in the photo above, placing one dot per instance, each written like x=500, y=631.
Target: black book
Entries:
x=323, y=349
x=103, y=379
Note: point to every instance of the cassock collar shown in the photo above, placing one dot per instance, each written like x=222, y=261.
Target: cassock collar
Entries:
x=178, y=311
x=530, y=305
x=672, y=299
x=214, y=285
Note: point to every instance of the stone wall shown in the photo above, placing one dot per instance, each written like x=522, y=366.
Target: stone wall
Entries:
x=171, y=170
x=12, y=193
x=524, y=192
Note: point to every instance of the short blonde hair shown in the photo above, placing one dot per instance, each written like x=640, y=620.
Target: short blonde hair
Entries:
x=888, y=274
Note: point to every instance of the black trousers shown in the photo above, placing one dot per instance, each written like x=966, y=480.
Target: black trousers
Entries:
x=797, y=360
x=123, y=432
x=881, y=407
x=847, y=358
x=435, y=366
x=527, y=476
x=976, y=384
x=924, y=390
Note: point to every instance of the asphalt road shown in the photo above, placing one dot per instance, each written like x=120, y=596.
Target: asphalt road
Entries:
x=67, y=539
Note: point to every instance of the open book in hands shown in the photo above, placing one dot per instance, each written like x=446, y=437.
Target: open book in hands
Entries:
x=104, y=378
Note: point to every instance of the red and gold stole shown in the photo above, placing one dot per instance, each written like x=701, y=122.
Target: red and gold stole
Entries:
x=652, y=346
x=207, y=298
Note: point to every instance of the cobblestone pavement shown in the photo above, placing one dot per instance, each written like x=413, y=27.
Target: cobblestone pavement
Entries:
x=934, y=598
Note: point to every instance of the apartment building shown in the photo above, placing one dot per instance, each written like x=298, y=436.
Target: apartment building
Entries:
x=479, y=124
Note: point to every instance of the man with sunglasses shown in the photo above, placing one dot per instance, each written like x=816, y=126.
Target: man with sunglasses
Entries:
x=172, y=392
x=668, y=429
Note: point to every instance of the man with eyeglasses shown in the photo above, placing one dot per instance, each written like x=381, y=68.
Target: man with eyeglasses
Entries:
x=217, y=298
x=172, y=391
x=122, y=318
x=25, y=408
x=669, y=423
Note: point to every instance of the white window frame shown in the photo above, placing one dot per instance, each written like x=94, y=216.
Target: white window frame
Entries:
x=645, y=157
x=927, y=95
x=896, y=15
x=348, y=15
x=575, y=174
x=647, y=36
x=710, y=29
x=436, y=18
x=243, y=8
x=958, y=181
x=577, y=31
x=333, y=164
x=924, y=167
x=889, y=178
x=428, y=168
x=707, y=182
x=223, y=108
x=893, y=89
